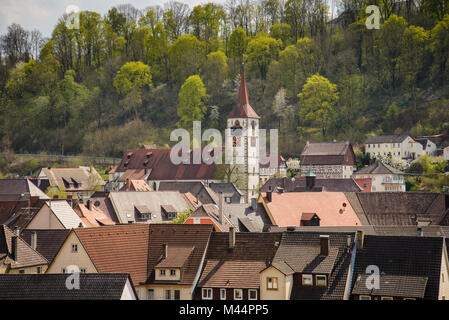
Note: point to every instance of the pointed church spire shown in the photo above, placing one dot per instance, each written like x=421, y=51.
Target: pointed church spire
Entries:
x=243, y=108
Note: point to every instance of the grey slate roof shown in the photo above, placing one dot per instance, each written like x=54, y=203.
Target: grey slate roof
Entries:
x=98, y=286
x=387, y=139
x=298, y=184
x=125, y=202
x=19, y=189
x=197, y=188
x=48, y=241
x=378, y=167
x=300, y=251
x=399, y=256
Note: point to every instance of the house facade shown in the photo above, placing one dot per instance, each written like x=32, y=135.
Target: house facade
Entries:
x=399, y=147
x=383, y=177
x=328, y=160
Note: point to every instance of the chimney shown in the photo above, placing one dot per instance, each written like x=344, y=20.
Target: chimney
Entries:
x=360, y=237
x=310, y=179
x=89, y=205
x=324, y=245
x=254, y=204
x=420, y=232
x=14, y=240
x=55, y=196
x=220, y=207
x=231, y=237
x=34, y=240
x=164, y=251
x=269, y=194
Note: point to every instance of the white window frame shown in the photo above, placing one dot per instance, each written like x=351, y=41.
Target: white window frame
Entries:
x=148, y=294
x=363, y=297
x=274, y=280
x=222, y=294
x=307, y=276
x=74, y=247
x=172, y=272
x=241, y=294
x=249, y=294
x=162, y=272
x=167, y=293
x=325, y=280
x=205, y=293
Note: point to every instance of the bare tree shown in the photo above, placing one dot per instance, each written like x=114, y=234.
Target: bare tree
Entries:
x=37, y=42
x=15, y=44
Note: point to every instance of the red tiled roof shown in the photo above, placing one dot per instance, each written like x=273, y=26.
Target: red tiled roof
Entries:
x=243, y=108
x=160, y=166
x=118, y=249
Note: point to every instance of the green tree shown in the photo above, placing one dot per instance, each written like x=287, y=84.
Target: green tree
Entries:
x=215, y=72
x=440, y=48
x=191, y=100
x=130, y=80
x=260, y=52
x=318, y=99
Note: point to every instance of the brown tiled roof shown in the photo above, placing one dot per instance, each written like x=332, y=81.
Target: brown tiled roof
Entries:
x=300, y=251
x=56, y=176
x=19, y=189
x=136, y=185
x=176, y=257
x=403, y=256
x=48, y=241
x=240, y=266
x=102, y=201
x=328, y=153
x=243, y=109
x=118, y=249
x=392, y=286
x=399, y=208
x=16, y=213
x=177, y=236
x=26, y=256
x=162, y=168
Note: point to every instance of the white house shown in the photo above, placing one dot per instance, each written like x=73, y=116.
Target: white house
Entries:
x=383, y=177
x=398, y=146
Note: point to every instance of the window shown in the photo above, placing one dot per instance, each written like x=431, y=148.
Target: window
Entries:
x=409, y=298
x=83, y=270
x=222, y=294
x=238, y=294
x=39, y=269
x=252, y=294
x=207, y=293
x=167, y=294
x=364, y=298
x=21, y=270
x=74, y=248
x=228, y=199
x=64, y=270
x=173, y=272
x=272, y=283
x=307, y=280
x=150, y=294
x=321, y=281
x=177, y=295
x=162, y=273
x=386, y=298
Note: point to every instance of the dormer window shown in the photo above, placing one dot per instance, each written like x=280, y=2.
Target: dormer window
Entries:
x=129, y=155
x=162, y=272
x=321, y=280
x=272, y=283
x=173, y=272
x=307, y=280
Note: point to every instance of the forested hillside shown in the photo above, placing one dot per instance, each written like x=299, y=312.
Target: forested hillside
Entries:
x=131, y=76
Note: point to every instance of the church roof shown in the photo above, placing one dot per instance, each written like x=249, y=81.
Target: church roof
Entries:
x=243, y=109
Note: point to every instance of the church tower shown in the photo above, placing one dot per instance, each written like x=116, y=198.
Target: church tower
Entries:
x=242, y=143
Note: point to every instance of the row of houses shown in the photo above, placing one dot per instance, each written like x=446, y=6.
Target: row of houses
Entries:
x=184, y=262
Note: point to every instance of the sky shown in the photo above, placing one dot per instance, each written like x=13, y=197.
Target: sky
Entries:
x=44, y=14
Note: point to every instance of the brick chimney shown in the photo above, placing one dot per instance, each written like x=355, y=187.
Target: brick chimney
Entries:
x=324, y=245
x=89, y=205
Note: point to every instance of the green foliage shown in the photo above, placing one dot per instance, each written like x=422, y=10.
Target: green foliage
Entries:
x=318, y=99
x=191, y=98
x=181, y=217
x=260, y=52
